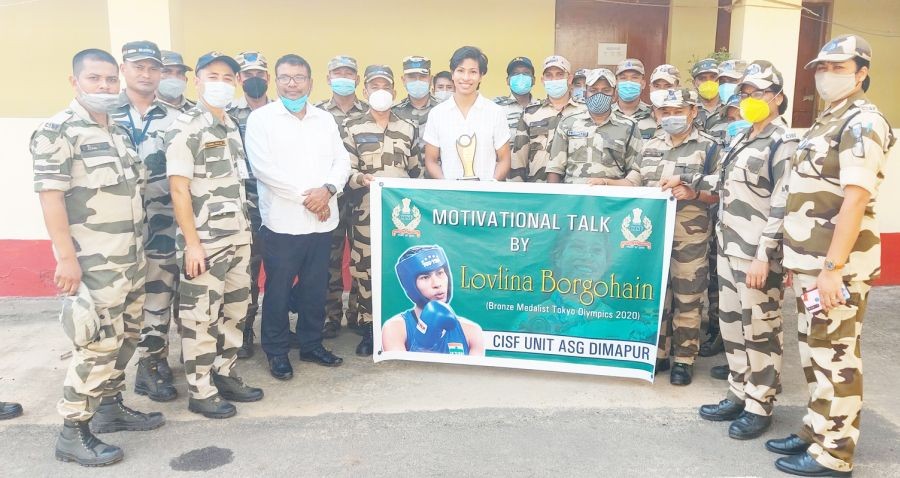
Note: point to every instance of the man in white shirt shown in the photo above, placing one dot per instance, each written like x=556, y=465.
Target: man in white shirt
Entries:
x=467, y=137
x=300, y=164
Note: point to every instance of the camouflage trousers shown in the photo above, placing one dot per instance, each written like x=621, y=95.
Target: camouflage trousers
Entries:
x=753, y=333
x=334, y=303
x=712, y=290
x=162, y=270
x=832, y=363
x=97, y=370
x=212, y=307
x=688, y=279
x=256, y=257
x=361, y=260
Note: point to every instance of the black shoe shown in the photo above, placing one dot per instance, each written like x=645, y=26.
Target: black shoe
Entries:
x=364, y=349
x=662, y=365
x=353, y=324
x=162, y=366
x=280, y=367
x=113, y=416
x=76, y=443
x=805, y=465
x=723, y=411
x=749, y=426
x=330, y=330
x=792, y=445
x=212, y=407
x=9, y=410
x=246, y=350
x=234, y=389
x=681, y=374
x=148, y=381
x=293, y=340
x=321, y=356
x=719, y=372
x=713, y=346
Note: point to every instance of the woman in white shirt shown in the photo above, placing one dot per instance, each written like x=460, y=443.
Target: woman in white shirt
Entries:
x=467, y=137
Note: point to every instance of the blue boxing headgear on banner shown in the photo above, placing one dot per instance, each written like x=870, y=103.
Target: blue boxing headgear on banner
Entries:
x=418, y=260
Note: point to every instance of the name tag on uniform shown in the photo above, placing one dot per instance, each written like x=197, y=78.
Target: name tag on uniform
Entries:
x=243, y=172
x=94, y=147
x=367, y=138
x=536, y=124
x=652, y=153
x=576, y=134
x=214, y=144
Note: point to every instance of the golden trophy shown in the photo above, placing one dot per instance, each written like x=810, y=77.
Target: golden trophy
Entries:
x=465, y=148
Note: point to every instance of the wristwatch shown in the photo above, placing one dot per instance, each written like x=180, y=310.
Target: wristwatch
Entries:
x=331, y=189
x=831, y=266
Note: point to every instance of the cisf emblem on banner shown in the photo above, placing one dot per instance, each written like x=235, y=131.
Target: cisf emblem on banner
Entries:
x=637, y=229
x=406, y=219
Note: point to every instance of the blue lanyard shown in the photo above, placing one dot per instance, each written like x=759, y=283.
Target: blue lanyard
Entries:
x=138, y=139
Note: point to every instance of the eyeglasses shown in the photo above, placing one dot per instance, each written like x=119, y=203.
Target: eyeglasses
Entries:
x=286, y=80
x=758, y=94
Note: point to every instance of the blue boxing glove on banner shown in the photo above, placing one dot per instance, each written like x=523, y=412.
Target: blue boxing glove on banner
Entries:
x=438, y=319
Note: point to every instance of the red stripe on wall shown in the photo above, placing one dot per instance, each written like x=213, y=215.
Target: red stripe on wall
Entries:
x=890, y=259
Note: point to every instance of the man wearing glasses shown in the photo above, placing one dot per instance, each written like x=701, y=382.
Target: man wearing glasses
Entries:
x=300, y=165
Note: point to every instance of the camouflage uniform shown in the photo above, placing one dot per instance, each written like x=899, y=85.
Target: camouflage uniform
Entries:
x=688, y=274
x=239, y=112
x=99, y=172
x=212, y=306
x=334, y=304
x=147, y=134
x=513, y=111
x=530, y=147
x=847, y=145
x=643, y=116
x=181, y=107
x=417, y=116
x=581, y=149
x=389, y=152
x=750, y=227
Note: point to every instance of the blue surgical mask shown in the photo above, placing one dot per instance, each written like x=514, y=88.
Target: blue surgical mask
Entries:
x=343, y=86
x=578, y=93
x=599, y=104
x=294, y=106
x=521, y=84
x=737, y=127
x=417, y=89
x=628, y=90
x=726, y=90
x=556, y=88
x=675, y=124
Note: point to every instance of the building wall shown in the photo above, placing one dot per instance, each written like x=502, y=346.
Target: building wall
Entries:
x=692, y=33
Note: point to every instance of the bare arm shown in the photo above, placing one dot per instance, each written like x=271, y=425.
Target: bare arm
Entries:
x=846, y=232
x=475, y=336
x=184, y=215
x=393, y=336
x=504, y=159
x=432, y=165
x=68, y=272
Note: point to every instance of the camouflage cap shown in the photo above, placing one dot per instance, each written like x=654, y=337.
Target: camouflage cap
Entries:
x=557, y=61
x=343, y=61
x=762, y=75
x=212, y=56
x=732, y=69
x=843, y=48
x=632, y=64
x=597, y=74
x=416, y=64
x=252, y=60
x=171, y=58
x=519, y=61
x=581, y=72
x=679, y=97
x=379, y=71
x=706, y=65
x=141, y=50
x=734, y=101
x=666, y=72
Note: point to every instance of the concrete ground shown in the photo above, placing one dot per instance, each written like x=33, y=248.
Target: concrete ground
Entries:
x=422, y=420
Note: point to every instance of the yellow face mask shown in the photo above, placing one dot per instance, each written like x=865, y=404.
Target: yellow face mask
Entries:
x=708, y=89
x=754, y=110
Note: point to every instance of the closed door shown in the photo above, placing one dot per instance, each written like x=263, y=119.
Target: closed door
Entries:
x=811, y=39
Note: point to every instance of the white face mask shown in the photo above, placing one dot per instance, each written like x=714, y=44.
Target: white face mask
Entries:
x=443, y=95
x=381, y=100
x=99, y=102
x=217, y=93
x=834, y=86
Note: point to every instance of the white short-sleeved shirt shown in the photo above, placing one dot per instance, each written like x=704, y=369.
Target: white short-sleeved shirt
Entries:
x=485, y=124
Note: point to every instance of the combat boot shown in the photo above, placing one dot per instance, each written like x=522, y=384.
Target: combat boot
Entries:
x=681, y=374
x=364, y=349
x=162, y=366
x=113, y=416
x=147, y=381
x=76, y=443
x=212, y=407
x=234, y=389
x=9, y=410
x=714, y=345
x=246, y=350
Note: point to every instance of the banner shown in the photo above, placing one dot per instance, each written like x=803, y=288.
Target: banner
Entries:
x=568, y=278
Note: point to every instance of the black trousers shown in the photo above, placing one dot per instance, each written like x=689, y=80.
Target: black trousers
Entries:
x=286, y=257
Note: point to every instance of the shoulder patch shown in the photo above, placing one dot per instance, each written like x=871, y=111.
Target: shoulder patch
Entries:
x=188, y=115
x=56, y=121
x=705, y=135
x=790, y=136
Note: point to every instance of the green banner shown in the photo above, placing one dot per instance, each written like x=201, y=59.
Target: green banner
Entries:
x=552, y=277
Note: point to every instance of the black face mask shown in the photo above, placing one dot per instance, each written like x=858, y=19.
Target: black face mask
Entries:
x=255, y=87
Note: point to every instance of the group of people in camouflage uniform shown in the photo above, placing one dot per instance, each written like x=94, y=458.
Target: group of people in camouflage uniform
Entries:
x=150, y=202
